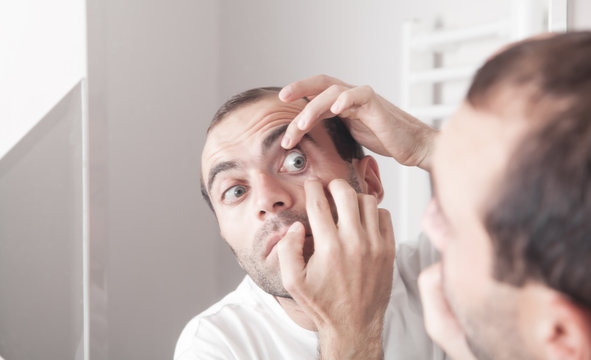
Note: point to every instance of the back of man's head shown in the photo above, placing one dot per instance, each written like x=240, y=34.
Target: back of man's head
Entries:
x=540, y=218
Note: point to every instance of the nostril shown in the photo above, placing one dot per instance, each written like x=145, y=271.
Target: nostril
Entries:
x=279, y=203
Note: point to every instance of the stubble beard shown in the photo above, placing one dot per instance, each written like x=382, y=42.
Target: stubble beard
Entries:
x=490, y=330
x=268, y=277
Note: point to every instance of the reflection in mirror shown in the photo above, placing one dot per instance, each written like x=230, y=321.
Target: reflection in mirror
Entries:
x=439, y=56
x=158, y=259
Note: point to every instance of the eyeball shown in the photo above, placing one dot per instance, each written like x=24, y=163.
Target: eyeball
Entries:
x=234, y=193
x=294, y=161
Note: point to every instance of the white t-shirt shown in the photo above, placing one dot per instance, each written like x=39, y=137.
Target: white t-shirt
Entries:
x=250, y=324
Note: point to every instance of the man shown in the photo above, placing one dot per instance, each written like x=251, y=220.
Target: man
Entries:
x=511, y=213
x=263, y=195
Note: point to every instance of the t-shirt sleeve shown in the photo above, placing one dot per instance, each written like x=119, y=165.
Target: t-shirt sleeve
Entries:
x=412, y=258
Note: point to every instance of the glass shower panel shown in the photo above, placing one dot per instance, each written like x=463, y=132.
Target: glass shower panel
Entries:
x=41, y=238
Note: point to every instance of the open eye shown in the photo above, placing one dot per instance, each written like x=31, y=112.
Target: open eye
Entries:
x=294, y=161
x=234, y=193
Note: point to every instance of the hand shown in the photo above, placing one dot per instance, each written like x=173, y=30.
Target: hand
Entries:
x=346, y=284
x=374, y=122
x=440, y=322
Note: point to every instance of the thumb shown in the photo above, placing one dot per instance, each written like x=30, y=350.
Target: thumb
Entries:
x=291, y=258
x=440, y=321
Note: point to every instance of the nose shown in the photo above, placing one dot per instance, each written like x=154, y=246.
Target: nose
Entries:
x=272, y=196
x=435, y=225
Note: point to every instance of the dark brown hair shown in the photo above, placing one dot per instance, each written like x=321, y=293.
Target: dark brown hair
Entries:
x=540, y=219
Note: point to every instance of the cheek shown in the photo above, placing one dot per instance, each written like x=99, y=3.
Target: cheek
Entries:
x=237, y=231
x=466, y=272
x=329, y=169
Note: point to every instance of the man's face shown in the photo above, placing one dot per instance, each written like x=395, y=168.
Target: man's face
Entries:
x=257, y=188
x=469, y=160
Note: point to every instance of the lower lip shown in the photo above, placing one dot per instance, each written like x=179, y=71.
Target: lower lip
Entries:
x=272, y=249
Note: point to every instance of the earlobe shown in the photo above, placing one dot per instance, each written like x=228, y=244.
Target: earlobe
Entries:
x=369, y=176
x=566, y=332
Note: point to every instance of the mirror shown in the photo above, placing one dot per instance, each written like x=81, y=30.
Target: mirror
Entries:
x=157, y=71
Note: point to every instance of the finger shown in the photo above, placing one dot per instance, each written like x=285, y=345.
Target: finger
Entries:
x=291, y=258
x=319, y=215
x=368, y=210
x=347, y=206
x=352, y=98
x=387, y=230
x=314, y=112
x=439, y=319
x=309, y=87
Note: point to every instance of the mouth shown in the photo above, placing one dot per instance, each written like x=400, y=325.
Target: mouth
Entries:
x=274, y=239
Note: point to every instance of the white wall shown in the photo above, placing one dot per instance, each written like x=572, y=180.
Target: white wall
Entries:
x=266, y=42
x=579, y=15
x=157, y=72
x=154, y=245
x=42, y=55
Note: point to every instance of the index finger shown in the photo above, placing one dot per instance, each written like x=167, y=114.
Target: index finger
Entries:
x=309, y=87
x=315, y=111
x=320, y=217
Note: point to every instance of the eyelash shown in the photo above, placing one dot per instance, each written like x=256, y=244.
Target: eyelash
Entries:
x=247, y=188
x=287, y=154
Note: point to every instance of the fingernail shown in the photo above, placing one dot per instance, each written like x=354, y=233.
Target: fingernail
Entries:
x=285, y=93
x=336, y=107
x=302, y=121
x=295, y=227
x=286, y=141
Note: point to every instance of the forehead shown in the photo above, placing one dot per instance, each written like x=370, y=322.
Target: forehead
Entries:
x=243, y=130
x=470, y=158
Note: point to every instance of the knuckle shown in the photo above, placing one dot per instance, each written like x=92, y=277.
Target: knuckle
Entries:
x=362, y=250
x=338, y=89
x=317, y=204
x=325, y=79
x=367, y=90
x=290, y=284
x=332, y=249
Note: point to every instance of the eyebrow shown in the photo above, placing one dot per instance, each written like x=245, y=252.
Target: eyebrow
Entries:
x=276, y=134
x=267, y=143
x=218, y=168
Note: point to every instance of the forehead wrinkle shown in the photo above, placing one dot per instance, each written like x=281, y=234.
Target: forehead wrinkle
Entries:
x=259, y=122
x=273, y=136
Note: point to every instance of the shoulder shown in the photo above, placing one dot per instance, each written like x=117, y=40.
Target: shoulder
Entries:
x=404, y=332
x=212, y=331
x=413, y=257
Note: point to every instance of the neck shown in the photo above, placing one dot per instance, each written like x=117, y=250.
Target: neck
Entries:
x=295, y=312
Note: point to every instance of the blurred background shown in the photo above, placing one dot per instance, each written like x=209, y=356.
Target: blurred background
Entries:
x=106, y=248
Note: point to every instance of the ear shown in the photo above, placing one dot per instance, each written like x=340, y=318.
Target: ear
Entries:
x=369, y=177
x=571, y=338
x=562, y=328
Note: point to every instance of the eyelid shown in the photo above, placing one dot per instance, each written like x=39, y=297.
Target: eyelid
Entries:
x=223, y=193
x=286, y=154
